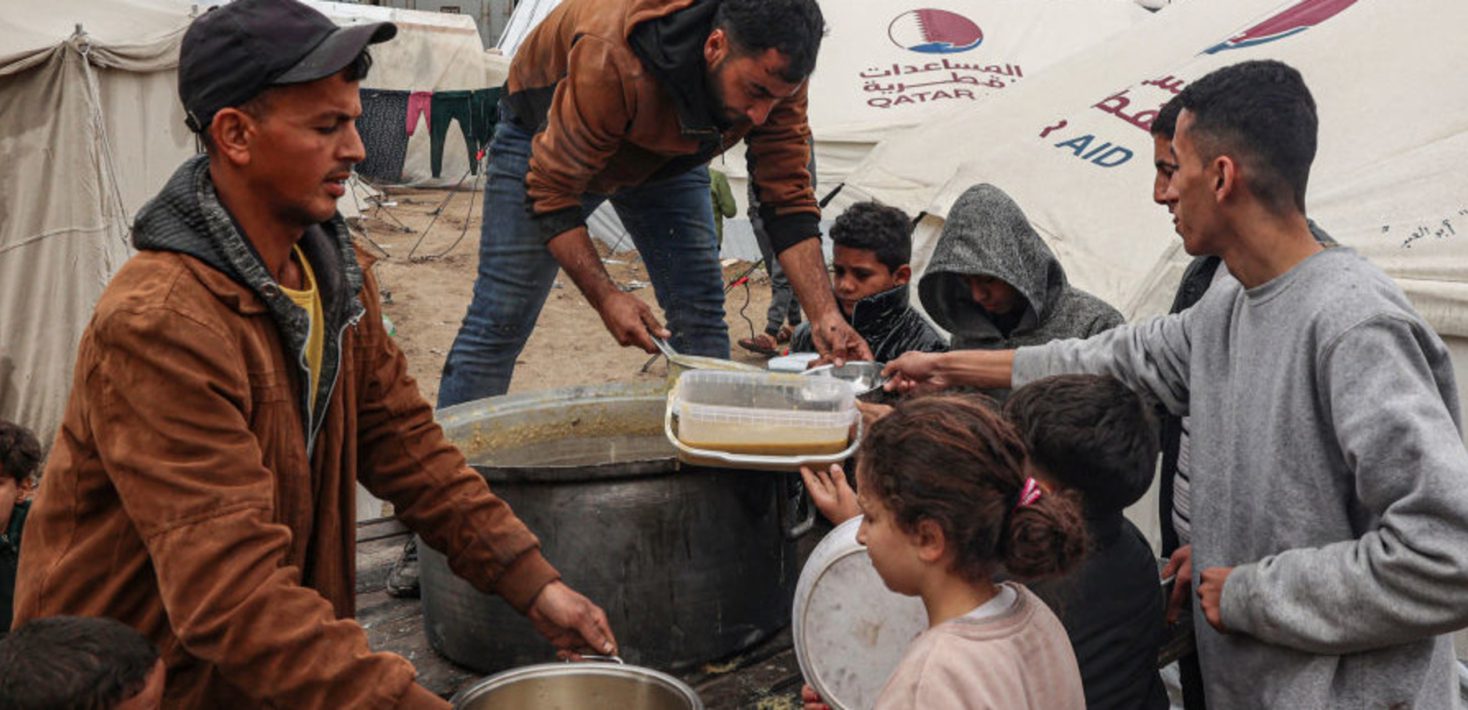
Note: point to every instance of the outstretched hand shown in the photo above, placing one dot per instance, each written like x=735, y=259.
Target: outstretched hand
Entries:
x=811, y=700
x=871, y=412
x=1210, y=595
x=571, y=622
x=1180, y=568
x=831, y=493
x=914, y=372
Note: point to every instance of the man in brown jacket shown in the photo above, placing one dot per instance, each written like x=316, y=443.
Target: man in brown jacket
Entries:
x=627, y=101
x=234, y=385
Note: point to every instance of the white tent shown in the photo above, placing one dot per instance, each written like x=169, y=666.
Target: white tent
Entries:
x=90, y=128
x=1073, y=149
x=527, y=14
x=1072, y=146
x=888, y=65
x=432, y=52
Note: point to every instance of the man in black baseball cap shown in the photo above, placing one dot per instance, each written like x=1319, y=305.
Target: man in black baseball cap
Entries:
x=234, y=52
x=239, y=384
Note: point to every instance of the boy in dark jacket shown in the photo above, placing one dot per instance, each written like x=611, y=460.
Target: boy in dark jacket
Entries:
x=872, y=247
x=20, y=455
x=1091, y=434
x=80, y=662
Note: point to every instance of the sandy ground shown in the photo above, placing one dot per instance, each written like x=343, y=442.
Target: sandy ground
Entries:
x=426, y=298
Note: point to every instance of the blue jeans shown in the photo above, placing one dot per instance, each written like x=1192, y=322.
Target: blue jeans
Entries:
x=671, y=222
x=784, y=307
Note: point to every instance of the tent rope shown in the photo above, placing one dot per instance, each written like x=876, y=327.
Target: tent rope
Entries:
x=362, y=222
x=438, y=212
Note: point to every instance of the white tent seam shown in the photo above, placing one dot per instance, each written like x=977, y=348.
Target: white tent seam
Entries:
x=83, y=45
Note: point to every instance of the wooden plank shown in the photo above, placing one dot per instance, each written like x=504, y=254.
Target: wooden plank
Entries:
x=396, y=626
x=378, y=528
x=766, y=678
x=375, y=559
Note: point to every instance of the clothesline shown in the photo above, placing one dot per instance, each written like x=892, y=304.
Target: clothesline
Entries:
x=389, y=117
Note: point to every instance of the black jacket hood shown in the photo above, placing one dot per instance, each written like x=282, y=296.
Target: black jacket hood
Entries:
x=671, y=48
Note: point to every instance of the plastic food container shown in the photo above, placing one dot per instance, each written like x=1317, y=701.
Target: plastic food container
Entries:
x=761, y=420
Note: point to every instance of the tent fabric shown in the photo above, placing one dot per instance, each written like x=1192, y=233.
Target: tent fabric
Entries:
x=1385, y=181
x=69, y=188
x=141, y=30
x=432, y=52
x=527, y=14
x=91, y=128
x=877, y=74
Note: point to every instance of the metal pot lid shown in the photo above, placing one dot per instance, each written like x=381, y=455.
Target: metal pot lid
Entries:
x=849, y=630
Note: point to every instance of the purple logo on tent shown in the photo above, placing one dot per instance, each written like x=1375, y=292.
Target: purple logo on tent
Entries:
x=1293, y=20
x=934, y=32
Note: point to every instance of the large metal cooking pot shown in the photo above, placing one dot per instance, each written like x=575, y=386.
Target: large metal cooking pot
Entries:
x=691, y=564
x=578, y=686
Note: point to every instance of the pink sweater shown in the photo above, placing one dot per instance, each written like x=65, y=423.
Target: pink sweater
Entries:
x=1018, y=659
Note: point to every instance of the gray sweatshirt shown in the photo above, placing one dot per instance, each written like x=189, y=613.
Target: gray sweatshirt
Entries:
x=1329, y=470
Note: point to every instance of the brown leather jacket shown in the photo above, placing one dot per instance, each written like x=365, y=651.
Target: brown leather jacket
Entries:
x=616, y=91
x=180, y=497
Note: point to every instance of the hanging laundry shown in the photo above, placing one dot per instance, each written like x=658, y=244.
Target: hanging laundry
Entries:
x=486, y=114
x=448, y=106
x=384, y=134
x=420, y=103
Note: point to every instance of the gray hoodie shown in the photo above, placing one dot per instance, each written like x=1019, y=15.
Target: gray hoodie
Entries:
x=987, y=234
x=1329, y=472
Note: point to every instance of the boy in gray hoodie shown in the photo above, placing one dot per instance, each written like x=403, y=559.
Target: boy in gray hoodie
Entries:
x=994, y=284
x=1330, y=494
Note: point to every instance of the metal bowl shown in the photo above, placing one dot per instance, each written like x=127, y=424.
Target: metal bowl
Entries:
x=579, y=686
x=864, y=375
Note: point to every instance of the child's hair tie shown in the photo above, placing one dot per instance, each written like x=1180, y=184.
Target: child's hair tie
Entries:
x=1029, y=493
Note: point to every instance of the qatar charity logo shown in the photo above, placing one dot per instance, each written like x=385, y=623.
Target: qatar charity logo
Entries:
x=934, y=32
x=1292, y=21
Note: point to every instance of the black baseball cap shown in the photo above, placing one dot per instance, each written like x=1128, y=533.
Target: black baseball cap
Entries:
x=233, y=52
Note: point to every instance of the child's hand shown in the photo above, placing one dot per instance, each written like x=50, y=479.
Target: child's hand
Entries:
x=871, y=412
x=831, y=493
x=1180, y=568
x=811, y=699
x=1210, y=595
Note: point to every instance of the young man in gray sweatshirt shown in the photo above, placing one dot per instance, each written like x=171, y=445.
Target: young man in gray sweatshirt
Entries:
x=1330, y=500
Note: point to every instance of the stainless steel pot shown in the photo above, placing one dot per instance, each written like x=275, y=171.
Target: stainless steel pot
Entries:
x=691, y=564
x=578, y=686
